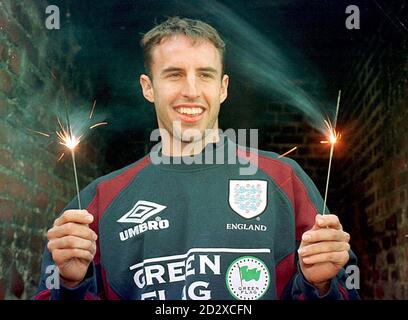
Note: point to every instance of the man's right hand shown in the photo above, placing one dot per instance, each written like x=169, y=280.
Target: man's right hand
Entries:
x=72, y=245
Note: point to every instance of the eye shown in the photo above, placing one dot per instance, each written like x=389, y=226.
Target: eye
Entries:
x=206, y=75
x=174, y=75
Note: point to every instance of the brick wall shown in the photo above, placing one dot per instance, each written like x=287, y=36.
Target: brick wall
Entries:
x=34, y=187
x=369, y=179
x=373, y=170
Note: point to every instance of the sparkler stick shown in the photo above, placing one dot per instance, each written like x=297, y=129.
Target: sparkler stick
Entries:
x=68, y=139
x=332, y=139
x=76, y=178
x=72, y=143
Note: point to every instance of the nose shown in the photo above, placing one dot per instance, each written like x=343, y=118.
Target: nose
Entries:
x=190, y=89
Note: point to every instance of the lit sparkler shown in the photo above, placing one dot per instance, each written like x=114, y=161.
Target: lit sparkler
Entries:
x=333, y=137
x=67, y=139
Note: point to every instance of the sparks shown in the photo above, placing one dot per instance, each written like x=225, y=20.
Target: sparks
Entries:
x=66, y=138
x=98, y=124
x=332, y=138
x=333, y=135
x=92, y=110
x=39, y=132
x=62, y=155
x=287, y=152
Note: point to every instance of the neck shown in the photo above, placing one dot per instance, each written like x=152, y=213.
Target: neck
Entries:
x=175, y=147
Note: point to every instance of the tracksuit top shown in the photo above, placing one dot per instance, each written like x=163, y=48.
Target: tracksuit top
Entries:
x=174, y=228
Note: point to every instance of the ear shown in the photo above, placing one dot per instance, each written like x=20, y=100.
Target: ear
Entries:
x=224, y=88
x=147, y=87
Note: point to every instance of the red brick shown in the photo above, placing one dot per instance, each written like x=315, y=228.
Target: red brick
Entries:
x=6, y=159
x=41, y=201
x=35, y=268
x=58, y=187
x=59, y=206
x=37, y=243
x=17, y=283
x=4, y=23
x=6, y=210
x=43, y=179
x=3, y=52
x=5, y=81
x=3, y=289
x=18, y=189
x=4, y=182
x=15, y=34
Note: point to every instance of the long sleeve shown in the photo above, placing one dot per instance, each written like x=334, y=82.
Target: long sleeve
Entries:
x=50, y=286
x=308, y=202
x=340, y=287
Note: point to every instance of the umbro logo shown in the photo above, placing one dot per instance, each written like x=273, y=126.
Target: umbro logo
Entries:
x=141, y=211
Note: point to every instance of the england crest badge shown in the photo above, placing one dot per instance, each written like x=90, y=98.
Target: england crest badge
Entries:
x=248, y=198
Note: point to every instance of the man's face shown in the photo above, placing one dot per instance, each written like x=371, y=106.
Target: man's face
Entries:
x=187, y=86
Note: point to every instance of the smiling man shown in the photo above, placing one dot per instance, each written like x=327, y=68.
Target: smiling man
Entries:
x=186, y=84
x=196, y=230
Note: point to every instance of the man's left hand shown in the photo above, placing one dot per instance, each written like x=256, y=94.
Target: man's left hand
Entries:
x=323, y=251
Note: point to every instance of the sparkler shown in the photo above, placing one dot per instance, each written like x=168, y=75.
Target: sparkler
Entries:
x=332, y=139
x=67, y=139
x=70, y=141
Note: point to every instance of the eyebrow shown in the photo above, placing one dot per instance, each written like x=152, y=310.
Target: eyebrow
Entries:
x=205, y=69
x=208, y=69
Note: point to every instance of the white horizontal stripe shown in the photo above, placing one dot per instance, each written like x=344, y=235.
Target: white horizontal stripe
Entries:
x=210, y=250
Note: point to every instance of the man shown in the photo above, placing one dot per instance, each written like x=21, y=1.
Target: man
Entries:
x=182, y=229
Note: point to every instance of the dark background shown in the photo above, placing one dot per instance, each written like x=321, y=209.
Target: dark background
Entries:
x=96, y=56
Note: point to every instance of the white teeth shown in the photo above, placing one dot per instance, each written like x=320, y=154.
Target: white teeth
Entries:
x=191, y=111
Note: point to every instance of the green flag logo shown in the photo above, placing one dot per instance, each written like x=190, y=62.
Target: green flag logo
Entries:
x=248, y=278
x=249, y=274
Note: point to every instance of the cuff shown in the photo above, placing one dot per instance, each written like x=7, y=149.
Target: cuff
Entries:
x=78, y=292
x=312, y=293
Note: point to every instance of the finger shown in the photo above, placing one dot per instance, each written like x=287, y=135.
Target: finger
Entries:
x=78, y=216
x=70, y=242
x=325, y=235
x=340, y=258
x=61, y=256
x=72, y=229
x=328, y=221
x=322, y=247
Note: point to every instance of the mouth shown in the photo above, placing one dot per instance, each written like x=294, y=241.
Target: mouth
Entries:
x=189, y=112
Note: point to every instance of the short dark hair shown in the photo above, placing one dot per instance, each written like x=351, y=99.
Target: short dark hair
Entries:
x=194, y=29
